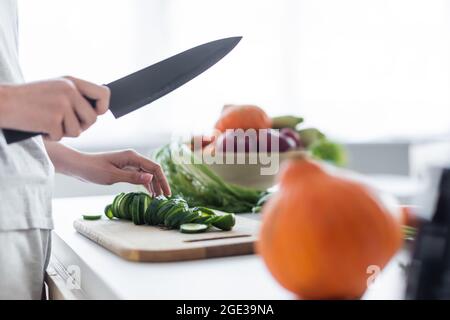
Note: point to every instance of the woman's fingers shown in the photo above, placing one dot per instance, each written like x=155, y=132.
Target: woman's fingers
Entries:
x=101, y=94
x=155, y=169
x=72, y=127
x=86, y=114
x=150, y=190
x=156, y=188
x=149, y=186
x=146, y=172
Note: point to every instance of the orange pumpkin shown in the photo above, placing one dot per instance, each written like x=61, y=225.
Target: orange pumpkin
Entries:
x=243, y=117
x=321, y=233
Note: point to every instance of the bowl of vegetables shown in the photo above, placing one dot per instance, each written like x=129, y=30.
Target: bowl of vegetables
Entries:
x=251, y=165
x=248, y=147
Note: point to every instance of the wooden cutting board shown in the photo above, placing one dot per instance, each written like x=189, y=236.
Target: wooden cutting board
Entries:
x=154, y=244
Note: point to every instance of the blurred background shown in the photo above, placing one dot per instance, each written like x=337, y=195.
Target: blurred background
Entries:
x=372, y=74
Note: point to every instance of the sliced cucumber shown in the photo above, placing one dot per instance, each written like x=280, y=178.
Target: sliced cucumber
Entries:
x=204, y=210
x=147, y=217
x=211, y=220
x=188, y=217
x=225, y=222
x=125, y=205
x=143, y=201
x=201, y=218
x=92, y=217
x=163, y=211
x=193, y=228
x=172, y=218
x=147, y=200
x=115, y=206
x=108, y=212
x=135, y=211
x=175, y=219
x=128, y=206
x=152, y=210
x=172, y=213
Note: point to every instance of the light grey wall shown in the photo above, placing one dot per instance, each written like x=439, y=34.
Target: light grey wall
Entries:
x=427, y=154
x=380, y=158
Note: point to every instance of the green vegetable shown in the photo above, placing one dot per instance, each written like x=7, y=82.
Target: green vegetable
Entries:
x=150, y=213
x=193, y=228
x=409, y=233
x=115, y=204
x=262, y=201
x=170, y=213
x=135, y=211
x=125, y=205
x=201, y=217
x=199, y=186
x=286, y=122
x=310, y=136
x=109, y=212
x=92, y=217
x=329, y=151
x=225, y=222
x=256, y=209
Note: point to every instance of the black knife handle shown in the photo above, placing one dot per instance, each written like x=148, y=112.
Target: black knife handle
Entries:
x=13, y=136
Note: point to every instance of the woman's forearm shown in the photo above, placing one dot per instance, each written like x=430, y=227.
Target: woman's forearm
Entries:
x=66, y=160
x=5, y=110
x=109, y=167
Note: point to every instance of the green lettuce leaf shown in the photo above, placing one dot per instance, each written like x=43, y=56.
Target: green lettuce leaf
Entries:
x=199, y=186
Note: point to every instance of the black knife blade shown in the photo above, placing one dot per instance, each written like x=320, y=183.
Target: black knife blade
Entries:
x=147, y=85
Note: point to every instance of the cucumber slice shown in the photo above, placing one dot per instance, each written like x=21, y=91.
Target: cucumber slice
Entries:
x=143, y=204
x=188, y=217
x=119, y=205
x=164, y=210
x=108, y=212
x=147, y=201
x=125, y=205
x=193, y=228
x=173, y=219
x=225, y=222
x=92, y=217
x=212, y=220
x=138, y=209
x=152, y=210
x=204, y=210
x=114, y=207
x=130, y=209
x=141, y=210
x=121, y=212
x=201, y=218
x=147, y=216
x=135, y=210
x=178, y=208
x=156, y=217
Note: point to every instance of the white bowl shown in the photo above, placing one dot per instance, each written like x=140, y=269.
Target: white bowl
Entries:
x=253, y=170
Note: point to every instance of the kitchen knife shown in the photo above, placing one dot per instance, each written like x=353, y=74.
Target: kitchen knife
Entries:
x=147, y=85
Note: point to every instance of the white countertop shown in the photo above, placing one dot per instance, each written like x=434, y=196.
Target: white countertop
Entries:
x=103, y=275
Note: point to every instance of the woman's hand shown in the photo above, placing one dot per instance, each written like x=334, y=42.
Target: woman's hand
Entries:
x=125, y=166
x=58, y=108
x=109, y=168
